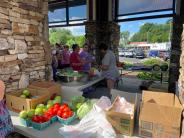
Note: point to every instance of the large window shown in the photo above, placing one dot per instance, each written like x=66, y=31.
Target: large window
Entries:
x=144, y=9
x=67, y=12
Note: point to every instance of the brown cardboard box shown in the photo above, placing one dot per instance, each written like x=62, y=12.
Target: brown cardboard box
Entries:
x=121, y=122
x=50, y=87
x=15, y=103
x=160, y=115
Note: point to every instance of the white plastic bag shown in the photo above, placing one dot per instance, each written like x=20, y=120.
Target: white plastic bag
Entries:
x=93, y=125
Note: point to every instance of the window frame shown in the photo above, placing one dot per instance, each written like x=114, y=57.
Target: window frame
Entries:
x=68, y=22
x=145, y=12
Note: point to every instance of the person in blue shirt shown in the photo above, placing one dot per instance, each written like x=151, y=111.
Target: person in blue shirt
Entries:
x=6, y=127
x=87, y=58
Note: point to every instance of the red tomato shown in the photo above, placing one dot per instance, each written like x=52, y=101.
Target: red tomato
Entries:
x=62, y=107
x=65, y=104
x=60, y=113
x=47, y=116
x=55, y=110
x=57, y=105
x=66, y=109
x=35, y=118
x=51, y=112
x=65, y=115
x=70, y=113
x=42, y=119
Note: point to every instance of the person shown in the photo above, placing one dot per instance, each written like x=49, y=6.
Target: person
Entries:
x=54, y=63
x=65, y=57
x=6, y=126
x=108, y=67
x=87, y=58
x=75, y=61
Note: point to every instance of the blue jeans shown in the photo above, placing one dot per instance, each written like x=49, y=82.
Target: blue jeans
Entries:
x=54, y=70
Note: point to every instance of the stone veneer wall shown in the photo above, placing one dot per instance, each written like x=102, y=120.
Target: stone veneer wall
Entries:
x=24, y=49
x=106, y=32
x=180, y=30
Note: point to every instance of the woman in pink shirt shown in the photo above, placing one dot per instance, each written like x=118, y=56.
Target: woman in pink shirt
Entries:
x=66, y=57
x=75, y=61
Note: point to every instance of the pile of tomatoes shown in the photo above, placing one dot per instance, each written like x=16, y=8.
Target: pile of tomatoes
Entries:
x=40, y=119
x=63, y=111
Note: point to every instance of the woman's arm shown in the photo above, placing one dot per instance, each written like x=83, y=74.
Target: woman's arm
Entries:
x=2, y=89
x=104, y=67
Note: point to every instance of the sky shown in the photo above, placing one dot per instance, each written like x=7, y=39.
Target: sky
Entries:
x=132, y=26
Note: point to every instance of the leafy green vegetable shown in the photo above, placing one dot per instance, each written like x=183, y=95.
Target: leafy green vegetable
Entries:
x=84, y=109
x=77, y=101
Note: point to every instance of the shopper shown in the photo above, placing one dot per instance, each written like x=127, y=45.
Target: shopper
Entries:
x=65, y=57
x=55, y=55
x=87, y=58
x=6, y=126
x=75, y=61
x=108, y=67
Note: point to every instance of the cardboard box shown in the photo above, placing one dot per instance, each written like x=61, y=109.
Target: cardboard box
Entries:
x=49, y=87
x=15, y=103
x=160, y=115
x=121, y=122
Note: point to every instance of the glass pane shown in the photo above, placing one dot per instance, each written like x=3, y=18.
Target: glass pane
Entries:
x=77, y=12
x=57, y=15
x=145, y=14
x=135, y=6
x=77, y=9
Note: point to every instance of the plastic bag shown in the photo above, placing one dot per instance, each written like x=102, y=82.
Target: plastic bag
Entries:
x=121, y=105
x=91, y=126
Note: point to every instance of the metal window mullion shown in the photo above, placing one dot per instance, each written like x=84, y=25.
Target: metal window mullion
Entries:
x=116, y=9
x=67, y=12
x=174, y=6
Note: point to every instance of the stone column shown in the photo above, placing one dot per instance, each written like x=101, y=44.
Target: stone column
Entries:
x=179, y=29
x=102, y=29
x=24, y=50
x=102, y=32
x=175, y=52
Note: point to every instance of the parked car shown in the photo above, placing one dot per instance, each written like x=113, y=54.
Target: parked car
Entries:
x=121, y=53
x=153, y=53
x=129, y=53
x=165, y=55
x=139, y=54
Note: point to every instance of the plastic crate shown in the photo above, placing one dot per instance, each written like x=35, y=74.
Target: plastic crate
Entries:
x=68, y=120
x=25, y=122
x=40, y=126
x=53, y=119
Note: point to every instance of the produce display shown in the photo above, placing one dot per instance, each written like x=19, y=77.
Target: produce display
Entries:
x=25, y=94
x=43, y=115
x=70, y=73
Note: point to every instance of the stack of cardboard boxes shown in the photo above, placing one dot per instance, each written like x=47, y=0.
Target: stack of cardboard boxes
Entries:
x=160, y=115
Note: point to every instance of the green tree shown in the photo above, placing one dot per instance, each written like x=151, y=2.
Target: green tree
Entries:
x=60, y=36
x=124, y=38
x=153, y=33
x=80, y=40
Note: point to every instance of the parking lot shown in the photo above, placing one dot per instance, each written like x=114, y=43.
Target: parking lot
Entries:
x=130, y=60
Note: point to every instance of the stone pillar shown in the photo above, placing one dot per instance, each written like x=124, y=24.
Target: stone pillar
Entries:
x=23, y=42
x=102, y=29
x=179, y=29
x=102, y=32
x=175, y=52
